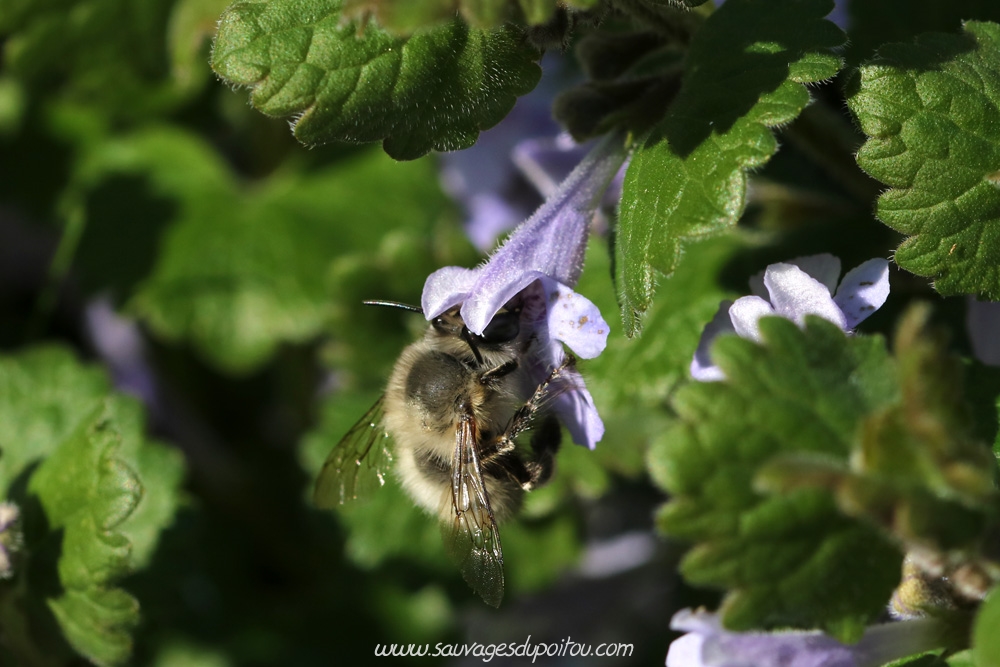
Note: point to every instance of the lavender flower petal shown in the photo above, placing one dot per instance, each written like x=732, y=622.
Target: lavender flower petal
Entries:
x=793, y=290
x=576, y=410
x=863, y=291
x=795, y=294
x=550, y=243
x=708, y=644
x=745, y=312
x=446, y=288
x=824, y=267
x=575, y=320
x=702, y=367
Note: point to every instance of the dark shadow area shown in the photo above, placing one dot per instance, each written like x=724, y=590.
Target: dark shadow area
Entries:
x=125, y=220
x=262, y=578
x=879, y=22
x=740, y=55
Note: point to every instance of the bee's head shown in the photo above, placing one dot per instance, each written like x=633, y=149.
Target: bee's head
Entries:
x=449, y=326
x=502, y=329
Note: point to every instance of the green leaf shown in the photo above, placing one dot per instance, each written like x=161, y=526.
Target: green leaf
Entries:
x=436, y=89
x=402, y=17
x=878, y=22
x=788, y=559
x=86, y=491
x=95, y=495
x=930, y=110
x=985, y=640
x=743, y=76
x=44, y=395
x=918, y=471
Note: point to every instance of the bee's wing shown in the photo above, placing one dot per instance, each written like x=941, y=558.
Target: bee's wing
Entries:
x=358, y=464
x=471, y=536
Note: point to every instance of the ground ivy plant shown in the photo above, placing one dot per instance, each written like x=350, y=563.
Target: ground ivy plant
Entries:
x=761, y=239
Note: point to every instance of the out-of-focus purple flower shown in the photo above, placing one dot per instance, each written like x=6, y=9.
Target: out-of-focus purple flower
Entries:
x=803, y=286
x=119, y=343
x=483, y=178
x=500, y=178
x=10, y=538
x=542, y=260
x=982, y=321
x=707, y=644
x=547, y=161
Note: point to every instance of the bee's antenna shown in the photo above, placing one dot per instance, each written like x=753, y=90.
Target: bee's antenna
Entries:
x=395, y=304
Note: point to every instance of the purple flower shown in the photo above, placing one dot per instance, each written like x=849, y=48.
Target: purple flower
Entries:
x=542, y=260
x=803, y=286
x=10, y=538
x=707, y=644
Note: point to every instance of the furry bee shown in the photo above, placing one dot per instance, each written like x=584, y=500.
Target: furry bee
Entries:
x=453, y=407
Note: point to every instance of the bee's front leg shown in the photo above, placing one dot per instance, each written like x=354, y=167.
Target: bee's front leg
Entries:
x=521, y=420
x=537, y=470
x=544, y=442
x=491, y=376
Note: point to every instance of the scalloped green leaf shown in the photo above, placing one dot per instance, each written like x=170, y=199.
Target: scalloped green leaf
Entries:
x=44, y=395
x=931, y=110
x=86, y=491
x=918, y=471
x=743, y=76
x=434, y=90
x=95, y=495
x=786, y=559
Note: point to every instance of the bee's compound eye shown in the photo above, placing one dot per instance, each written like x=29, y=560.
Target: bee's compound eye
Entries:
x=504, y=326
x=439, y=325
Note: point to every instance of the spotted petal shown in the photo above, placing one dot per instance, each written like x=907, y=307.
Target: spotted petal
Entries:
x=863, y=291
x=575, y=320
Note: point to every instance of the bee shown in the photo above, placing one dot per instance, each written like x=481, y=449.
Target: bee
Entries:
x=447, y=423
